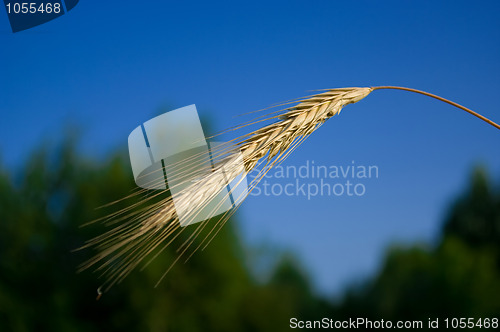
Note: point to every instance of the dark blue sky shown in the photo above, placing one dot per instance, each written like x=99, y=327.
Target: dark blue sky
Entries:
x=109, y=66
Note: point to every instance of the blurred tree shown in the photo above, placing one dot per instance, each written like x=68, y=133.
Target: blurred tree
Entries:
x=458, y=278
x=475, y=217
x=40, y=214
x=288, y=294
x=42, y=207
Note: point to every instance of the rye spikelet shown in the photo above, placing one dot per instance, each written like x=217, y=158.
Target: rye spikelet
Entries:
x=140, y=232
x=296, y=122
x=137, y=233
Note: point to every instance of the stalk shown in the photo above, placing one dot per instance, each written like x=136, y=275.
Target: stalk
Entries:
x=441, y=99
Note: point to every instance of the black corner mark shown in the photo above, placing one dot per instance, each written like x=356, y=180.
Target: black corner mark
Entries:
x=26, y=14
x=70, y=4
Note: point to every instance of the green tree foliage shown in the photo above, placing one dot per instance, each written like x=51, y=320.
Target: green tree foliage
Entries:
x=42, y=207
x=460, y=277
x=41, y=210
x=475, y=217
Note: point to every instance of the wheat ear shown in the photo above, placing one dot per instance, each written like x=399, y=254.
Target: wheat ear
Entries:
x=139, y=233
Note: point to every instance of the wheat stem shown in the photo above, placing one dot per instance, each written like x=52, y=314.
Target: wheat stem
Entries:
x=441, y=99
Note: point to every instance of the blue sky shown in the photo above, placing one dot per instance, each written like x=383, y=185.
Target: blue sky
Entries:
x=111, y=66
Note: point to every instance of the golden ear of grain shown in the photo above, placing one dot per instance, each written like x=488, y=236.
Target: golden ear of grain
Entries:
x=138, y=234
x=298, y=121
x=140, y=231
